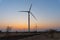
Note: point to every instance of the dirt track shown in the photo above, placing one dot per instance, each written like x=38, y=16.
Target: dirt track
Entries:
x=33, y=36
x=56, y=36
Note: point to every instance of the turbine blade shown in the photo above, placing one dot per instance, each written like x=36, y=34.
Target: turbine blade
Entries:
x=22, y=11
x=30, y=7
x=34, y=16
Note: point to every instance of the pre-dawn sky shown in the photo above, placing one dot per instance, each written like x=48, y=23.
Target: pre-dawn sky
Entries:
x=46, y=11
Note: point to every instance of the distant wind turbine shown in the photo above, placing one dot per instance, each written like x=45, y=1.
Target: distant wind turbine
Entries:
x=29, y=12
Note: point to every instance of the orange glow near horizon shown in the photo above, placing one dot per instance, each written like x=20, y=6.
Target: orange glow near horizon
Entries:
x=25, y=25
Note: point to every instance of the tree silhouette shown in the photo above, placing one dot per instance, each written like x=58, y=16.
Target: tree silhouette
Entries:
x=51, y=32
x=8, y=29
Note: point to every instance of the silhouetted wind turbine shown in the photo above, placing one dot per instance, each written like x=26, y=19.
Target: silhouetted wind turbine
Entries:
x=29, y=12
x=36, y=27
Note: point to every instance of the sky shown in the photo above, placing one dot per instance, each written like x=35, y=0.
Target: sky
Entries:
x=47, y=13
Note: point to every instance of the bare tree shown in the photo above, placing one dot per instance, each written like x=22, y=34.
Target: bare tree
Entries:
x=51, y=33
x=8, y=29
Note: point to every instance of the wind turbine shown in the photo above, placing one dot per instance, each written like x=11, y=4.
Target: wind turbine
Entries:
x=29, y=12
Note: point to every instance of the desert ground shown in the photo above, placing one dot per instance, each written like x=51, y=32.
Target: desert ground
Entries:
x=44, y=36
x=30, y=36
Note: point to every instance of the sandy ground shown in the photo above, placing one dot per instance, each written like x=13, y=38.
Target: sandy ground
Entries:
x=43, y=37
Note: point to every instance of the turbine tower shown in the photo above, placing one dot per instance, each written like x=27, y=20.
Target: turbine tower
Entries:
x=29, y=12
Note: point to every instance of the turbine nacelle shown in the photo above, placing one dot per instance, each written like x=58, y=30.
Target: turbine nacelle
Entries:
x=24, y=11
